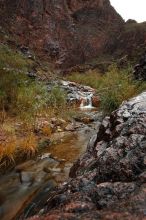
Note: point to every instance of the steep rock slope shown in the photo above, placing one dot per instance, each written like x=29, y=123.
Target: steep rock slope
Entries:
x=65, y=32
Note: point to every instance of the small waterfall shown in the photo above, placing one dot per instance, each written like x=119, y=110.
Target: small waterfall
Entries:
x=86, y=102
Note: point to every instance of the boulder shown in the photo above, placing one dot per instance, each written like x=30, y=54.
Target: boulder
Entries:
x=95, y=101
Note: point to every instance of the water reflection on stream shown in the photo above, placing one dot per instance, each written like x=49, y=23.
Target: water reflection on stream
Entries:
x=33, y=180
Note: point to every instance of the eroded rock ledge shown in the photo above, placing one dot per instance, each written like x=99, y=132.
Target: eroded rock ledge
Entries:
x=110, y=179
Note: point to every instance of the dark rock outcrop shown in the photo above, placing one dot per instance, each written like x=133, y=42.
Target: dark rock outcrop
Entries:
x=131, y=41
x=140, y=69
x=110, y=178
x=64, y=32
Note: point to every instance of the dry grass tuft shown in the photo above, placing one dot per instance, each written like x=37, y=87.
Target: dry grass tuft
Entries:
x=28, y=145
x=7, y=150
x=46, y=130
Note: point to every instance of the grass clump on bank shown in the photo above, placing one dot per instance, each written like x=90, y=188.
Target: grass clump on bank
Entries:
x=20, y=95
x=114, y=87
x=89, y=78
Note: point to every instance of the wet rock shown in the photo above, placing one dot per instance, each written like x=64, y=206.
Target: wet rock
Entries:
x=46, y=155
x=70, y=127
x=43, y=126
x=25, y=165
x=142, y=177
x=27, y=53
x=27, y=177
x=58, y=121
x=32, y=75
x=95, y=101
x=32, y=177
x=62, y=160
x=2, y=199
x=44, y=143
x=47, y=170
x=77, y=94
x=56, y=170
x=87, y=117
x=109, y=179
x=140, y=69
x=59, y=129
x=84, y=119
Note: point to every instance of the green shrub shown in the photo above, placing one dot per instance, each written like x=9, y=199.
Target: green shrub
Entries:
x=11, y=60
x=12, y=65
x=115, y=87
x=18, y=94
x=90, y=78
x=31, y=100
x=57, y=98
x=21, y=96
x=10, y=82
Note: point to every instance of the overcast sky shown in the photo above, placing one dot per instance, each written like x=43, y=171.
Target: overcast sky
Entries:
x=134, y=9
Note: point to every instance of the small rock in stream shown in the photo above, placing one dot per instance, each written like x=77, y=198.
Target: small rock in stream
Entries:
x=56, y=170
x=27, y=177
x=70, y=127
x=46, y=155
x=25, y=165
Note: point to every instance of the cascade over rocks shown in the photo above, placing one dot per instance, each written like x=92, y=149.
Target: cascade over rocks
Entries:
x=109, y=180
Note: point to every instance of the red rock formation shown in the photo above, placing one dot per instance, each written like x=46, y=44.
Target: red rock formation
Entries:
x=67, y=32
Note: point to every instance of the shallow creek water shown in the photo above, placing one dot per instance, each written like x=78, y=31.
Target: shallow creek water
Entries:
x=24, y=190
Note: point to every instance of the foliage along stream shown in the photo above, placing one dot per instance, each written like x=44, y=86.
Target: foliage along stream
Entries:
x=24, y=190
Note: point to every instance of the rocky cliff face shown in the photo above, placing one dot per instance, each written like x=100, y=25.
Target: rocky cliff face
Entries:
x=65, y=32
x=71, y=32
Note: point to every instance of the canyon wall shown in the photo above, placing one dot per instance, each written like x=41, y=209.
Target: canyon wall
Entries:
x=71, y=32
x=65, y=32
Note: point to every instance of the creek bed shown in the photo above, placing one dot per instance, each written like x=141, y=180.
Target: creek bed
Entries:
x=24, y=190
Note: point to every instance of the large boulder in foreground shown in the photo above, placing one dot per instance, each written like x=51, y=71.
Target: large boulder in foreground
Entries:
x=110, y=179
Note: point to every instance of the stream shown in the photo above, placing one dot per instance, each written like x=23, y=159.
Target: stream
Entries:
x=25, y=190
